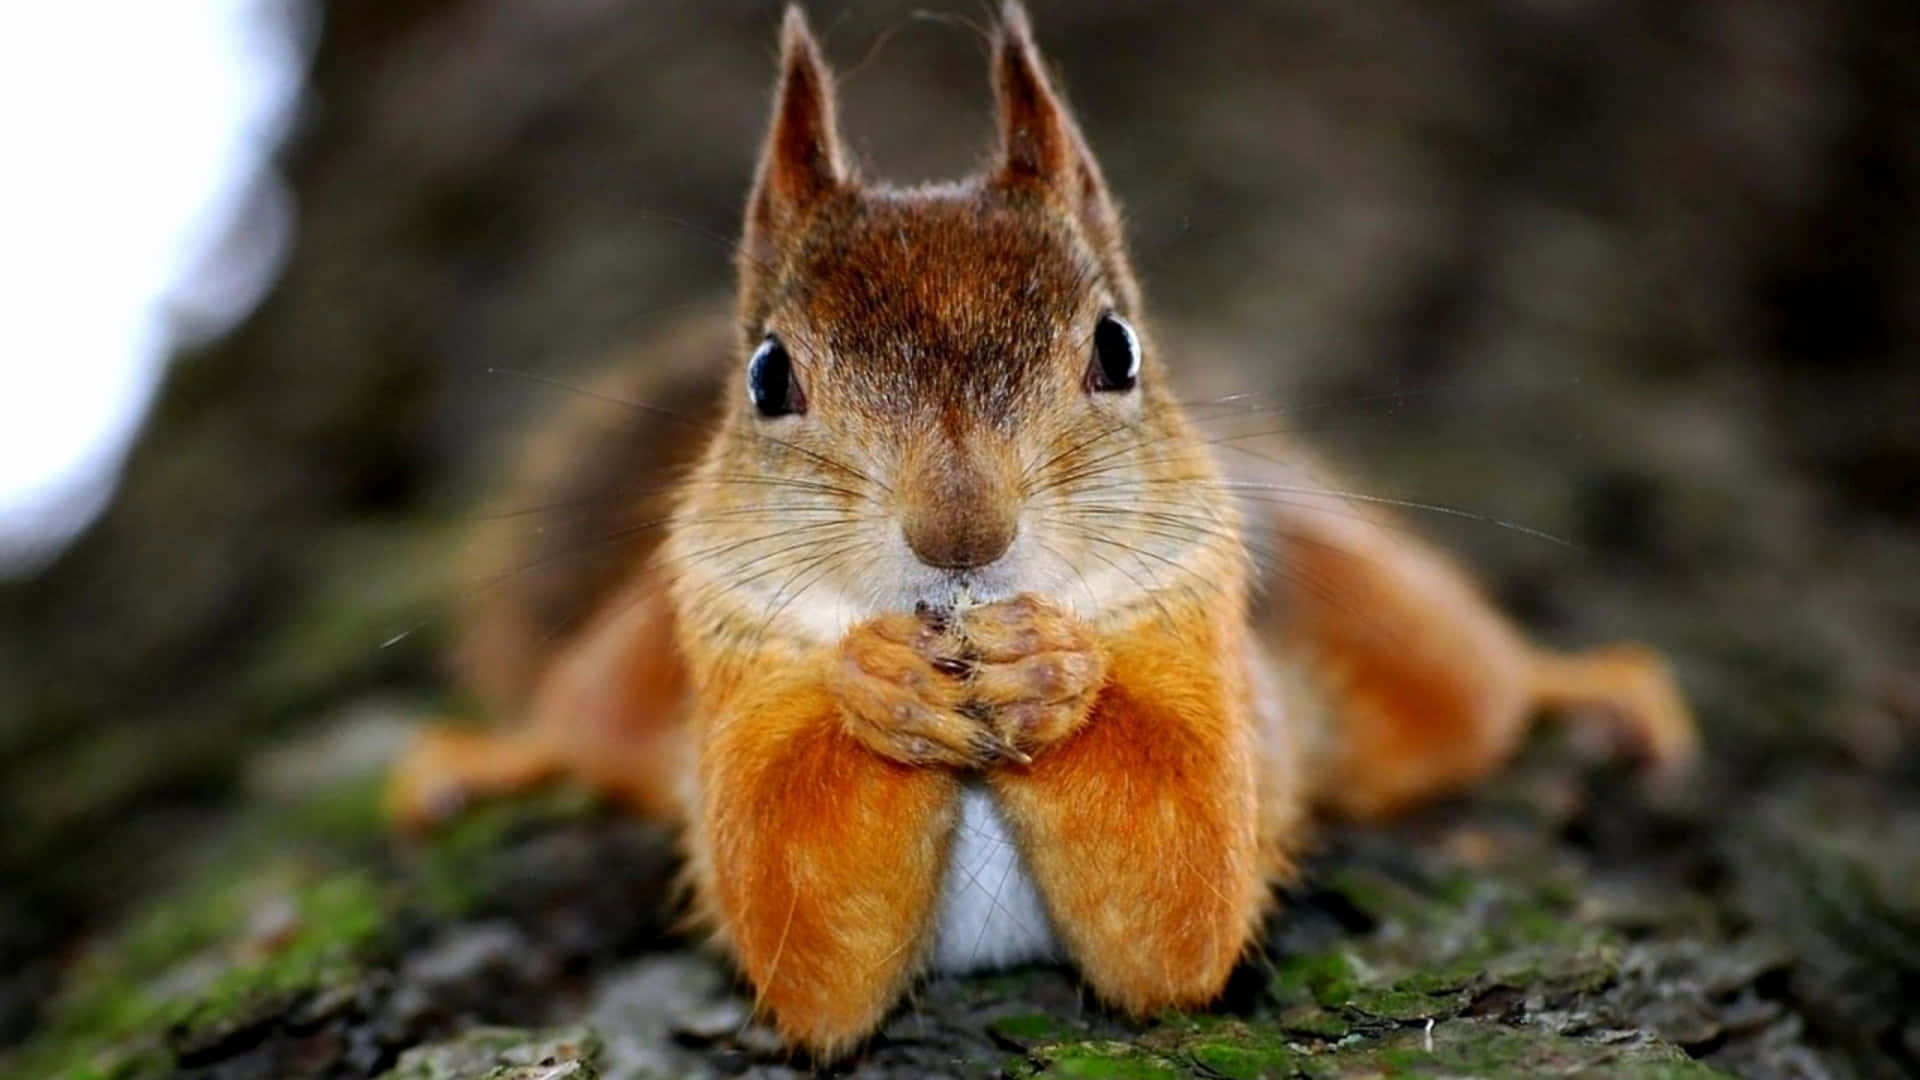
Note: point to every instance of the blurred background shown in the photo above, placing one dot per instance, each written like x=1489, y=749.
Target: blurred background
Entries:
x=1645, y=276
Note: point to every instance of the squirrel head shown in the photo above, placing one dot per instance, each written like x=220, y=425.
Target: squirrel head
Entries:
x=946, y=392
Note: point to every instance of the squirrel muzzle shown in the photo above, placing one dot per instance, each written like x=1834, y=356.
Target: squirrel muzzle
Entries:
x=958, y=503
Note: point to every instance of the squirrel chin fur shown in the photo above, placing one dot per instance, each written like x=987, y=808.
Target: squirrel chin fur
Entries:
x=913, y=599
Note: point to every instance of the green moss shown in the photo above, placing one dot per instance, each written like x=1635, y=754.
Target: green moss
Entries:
x=208, y=959
x=348, y=815
x=259, y=930
x=1257, y=1050
x=455, y=871
x=1104, y=1061
x=1027, y=1029
x=1434, y=954
x=1338, y=980
x=337, y=920
x=1314, y=1022
x=1238, y=1050
x=1401, y=1005
x=1484, y=1048
x=1442, y=979
x=1245, y=1062
x=1325, y=978
x=1381, y=896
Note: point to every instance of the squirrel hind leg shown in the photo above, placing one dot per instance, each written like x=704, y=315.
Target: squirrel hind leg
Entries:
x=446, y=769
x=1425, y=687
x=608, y=711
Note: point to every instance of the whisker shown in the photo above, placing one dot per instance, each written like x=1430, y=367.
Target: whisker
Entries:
x=1175, y=526
x=721, y=549
x=1431, y=390
x=1071, y=449
x=1271, y=561
x=1103, y=463
x=1093, y=600
x=1247, y=490
x=639, y=492
x=1150, y=594
x=703, y=425
x=741, y=582
x=715, y=553
x=793, y=588
x=1257, y=491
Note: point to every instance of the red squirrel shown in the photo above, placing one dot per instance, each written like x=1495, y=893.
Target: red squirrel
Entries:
x=932, y=623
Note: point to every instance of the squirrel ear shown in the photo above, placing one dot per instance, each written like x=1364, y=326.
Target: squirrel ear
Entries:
x=802, y=161
x=1038, y=139
x=1040, y=144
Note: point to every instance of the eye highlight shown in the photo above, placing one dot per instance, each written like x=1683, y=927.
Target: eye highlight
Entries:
x=1115, y=366
x=770, y=382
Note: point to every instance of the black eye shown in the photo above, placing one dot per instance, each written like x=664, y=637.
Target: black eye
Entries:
x=770, y=381
x=1116, y=355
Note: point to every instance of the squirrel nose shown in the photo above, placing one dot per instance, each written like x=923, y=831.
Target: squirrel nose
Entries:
x=959, y=544
x=959, y=516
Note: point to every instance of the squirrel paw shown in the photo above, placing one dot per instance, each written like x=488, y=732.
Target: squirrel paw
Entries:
x=1034, y=672
x=901, y=691
x=1640, y=710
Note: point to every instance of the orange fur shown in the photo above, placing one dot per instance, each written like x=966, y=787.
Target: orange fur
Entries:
x=815, y=858
x=1142, y=825
x=1432, y=687
x=958, y=555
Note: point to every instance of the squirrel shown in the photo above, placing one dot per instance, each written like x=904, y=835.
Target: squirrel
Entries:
x=933, y=624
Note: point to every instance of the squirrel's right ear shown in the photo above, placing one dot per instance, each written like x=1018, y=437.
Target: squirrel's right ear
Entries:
x=802, y=162
x=1041, y=145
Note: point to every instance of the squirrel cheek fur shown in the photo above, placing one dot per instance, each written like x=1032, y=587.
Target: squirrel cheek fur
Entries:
x=936, y=556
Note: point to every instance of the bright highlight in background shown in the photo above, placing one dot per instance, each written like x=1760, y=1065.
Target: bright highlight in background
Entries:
x=137, y=214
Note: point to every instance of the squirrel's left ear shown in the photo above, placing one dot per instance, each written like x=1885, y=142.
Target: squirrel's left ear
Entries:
x=1040, y=144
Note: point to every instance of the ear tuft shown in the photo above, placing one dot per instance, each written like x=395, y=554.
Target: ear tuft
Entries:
x=794, y=32
x=802, y=162
x=1037, y=137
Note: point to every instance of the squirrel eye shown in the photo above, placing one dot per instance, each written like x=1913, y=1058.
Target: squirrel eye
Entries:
x=1116, y=355
x=770, y=381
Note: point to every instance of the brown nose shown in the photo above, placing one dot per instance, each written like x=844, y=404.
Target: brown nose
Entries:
x=959, y=514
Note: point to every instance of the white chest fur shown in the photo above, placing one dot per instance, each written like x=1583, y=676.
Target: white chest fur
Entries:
x=989, y=912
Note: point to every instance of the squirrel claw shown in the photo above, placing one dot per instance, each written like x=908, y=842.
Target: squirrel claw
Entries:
x=992, y=749
x=988, y=749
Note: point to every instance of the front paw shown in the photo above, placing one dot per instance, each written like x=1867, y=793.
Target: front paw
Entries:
x=1036, y=671
x=901, y=686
